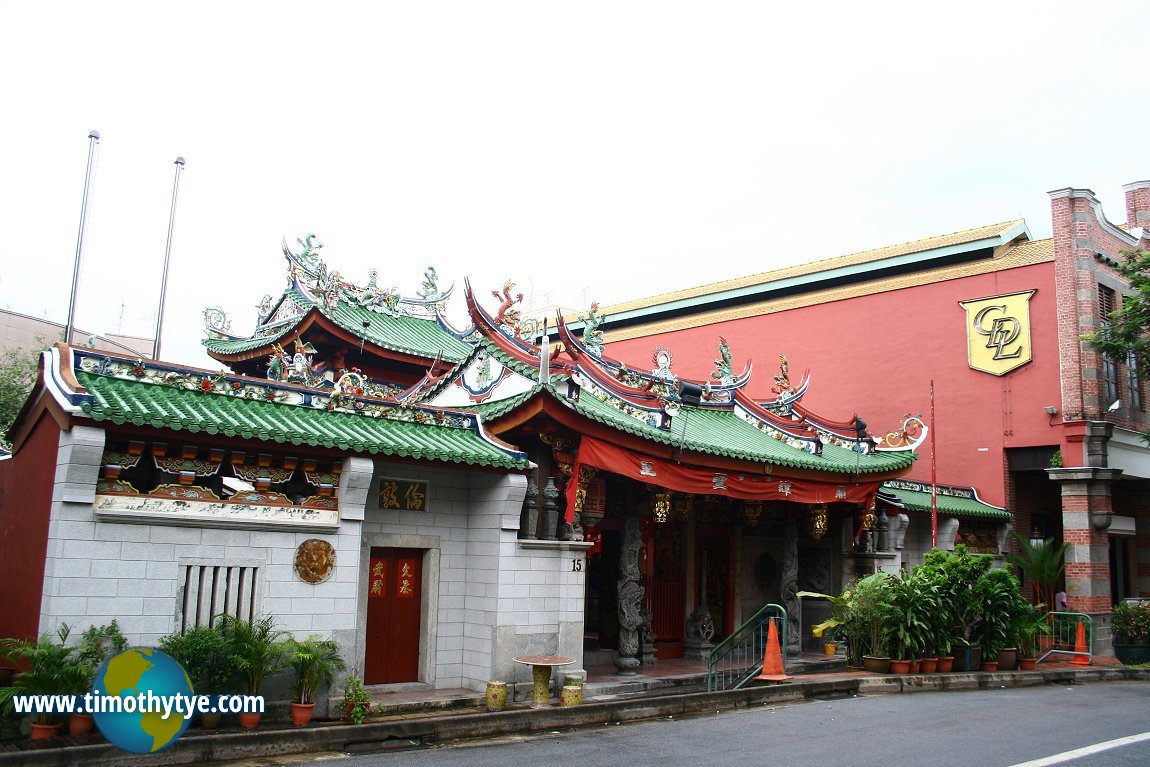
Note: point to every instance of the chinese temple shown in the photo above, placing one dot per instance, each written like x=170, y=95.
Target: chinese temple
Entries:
x=439, y=501
x=700, y=503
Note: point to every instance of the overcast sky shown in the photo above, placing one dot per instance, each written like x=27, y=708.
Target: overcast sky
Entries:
x=588, y=151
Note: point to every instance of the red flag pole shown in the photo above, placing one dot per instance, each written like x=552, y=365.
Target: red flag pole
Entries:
x=933, y=476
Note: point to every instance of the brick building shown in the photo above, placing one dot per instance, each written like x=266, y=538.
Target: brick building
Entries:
x=1028, y=419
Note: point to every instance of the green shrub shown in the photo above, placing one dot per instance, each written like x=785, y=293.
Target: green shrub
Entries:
x=1130, y=622
x=356, y=700
x=203, y=652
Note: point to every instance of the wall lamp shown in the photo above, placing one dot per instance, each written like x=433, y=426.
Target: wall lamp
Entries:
x=1051, y=411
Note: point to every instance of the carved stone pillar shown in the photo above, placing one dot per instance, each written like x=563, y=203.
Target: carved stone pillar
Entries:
x=529, y=518
x=630, y=597
x=647, y=639
x=550, y=509
x=789, y=585
x=882, y=530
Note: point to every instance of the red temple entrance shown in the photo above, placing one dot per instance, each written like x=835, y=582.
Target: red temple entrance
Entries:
x=394, y=594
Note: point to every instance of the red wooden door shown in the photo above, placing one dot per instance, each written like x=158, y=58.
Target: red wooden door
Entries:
x=394, y=594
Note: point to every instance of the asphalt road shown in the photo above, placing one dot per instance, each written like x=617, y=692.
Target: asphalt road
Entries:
x=985, y=728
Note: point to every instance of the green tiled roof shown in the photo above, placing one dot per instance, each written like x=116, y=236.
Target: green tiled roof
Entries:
x=422, y=337
x=965, y=504
x=490, y=410
x=410, y=335
x=123, y=401
x=238, y=346
x=721, y=432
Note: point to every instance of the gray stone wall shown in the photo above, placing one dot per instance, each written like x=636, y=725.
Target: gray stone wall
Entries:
x=487, y=598
x=98, y=570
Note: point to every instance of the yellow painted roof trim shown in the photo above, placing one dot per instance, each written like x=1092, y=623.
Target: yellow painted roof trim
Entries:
x=1010, y=257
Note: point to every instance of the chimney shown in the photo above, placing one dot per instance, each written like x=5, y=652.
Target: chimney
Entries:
x=1137, y=206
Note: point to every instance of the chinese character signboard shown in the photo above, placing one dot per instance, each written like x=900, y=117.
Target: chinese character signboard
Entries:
x=402, y=494
x=998, y=332
x=378, y=579
x=406, y=578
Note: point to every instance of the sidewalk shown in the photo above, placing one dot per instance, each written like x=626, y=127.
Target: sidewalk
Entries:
x=462, y=718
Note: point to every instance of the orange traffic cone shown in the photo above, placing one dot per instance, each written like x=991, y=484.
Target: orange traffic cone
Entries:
x=1081, y=653
x=773, y=659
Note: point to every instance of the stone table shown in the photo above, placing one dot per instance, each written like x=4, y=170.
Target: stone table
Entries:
x=541, y=673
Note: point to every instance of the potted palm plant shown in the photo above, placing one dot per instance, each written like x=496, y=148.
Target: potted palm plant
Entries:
x=256, y=649
x=901, y=629
x=1029, y=626
x=869, y=611
x=1001, y=603
x=1042, y=563
x=838, y=626
x=957, y=574
x=314, y=662
x=48, y=667
x=203, y=652
x=97, y=645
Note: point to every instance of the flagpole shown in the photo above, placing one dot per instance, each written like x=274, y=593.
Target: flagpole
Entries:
x=933, y=476
x=167, y=259
x=70, y=325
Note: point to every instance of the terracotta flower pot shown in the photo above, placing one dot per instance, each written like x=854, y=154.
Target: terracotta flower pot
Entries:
x=301, y=713
x=876, y=664
x=990, y=665
x=915, y=665
x=45, y=731
x=1026, y=664
x=929, y=665
x=80, y=724
x=210, y=721
x=249, y=721
x=1007, y=659
x=945, y=664
x=899, y=666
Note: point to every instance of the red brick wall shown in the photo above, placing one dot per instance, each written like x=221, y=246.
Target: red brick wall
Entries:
x=1138, y=204
x=26, y=483
x=1078, y=237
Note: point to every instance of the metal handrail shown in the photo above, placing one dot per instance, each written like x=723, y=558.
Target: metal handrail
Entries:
x=1063, y=635
x=739, y=658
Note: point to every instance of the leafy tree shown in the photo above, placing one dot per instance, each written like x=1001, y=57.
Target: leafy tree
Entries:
x=18, y=369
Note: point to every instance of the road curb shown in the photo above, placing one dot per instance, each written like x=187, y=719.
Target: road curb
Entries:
x=379, y=735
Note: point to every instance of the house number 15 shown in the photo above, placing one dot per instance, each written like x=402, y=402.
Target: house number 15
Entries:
x=576, y=565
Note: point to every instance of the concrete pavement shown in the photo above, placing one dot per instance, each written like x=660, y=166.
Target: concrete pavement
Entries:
x=439, y=725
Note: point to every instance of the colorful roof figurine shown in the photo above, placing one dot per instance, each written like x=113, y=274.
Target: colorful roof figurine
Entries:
x=113, y=389
x=699, y=429
x=391, y=337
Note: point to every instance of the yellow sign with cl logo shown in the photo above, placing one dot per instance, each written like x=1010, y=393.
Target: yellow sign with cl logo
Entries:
x=998, y=332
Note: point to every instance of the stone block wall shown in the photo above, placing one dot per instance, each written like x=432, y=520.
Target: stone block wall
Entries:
x=97, y=570
x=487, y=597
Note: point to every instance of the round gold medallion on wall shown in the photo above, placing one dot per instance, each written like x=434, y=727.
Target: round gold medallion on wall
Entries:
x=314, y=560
